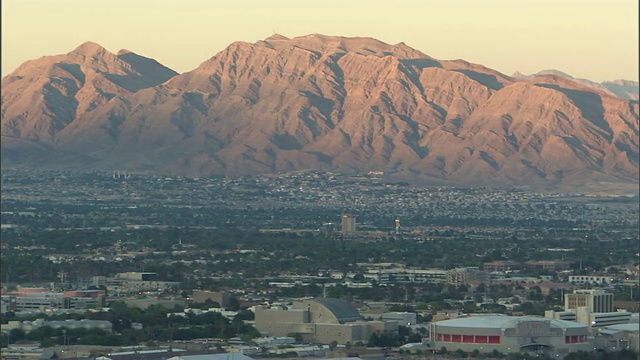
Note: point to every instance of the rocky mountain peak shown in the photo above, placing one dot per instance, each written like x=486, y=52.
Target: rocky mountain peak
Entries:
x=322, y=102
x=89, y=49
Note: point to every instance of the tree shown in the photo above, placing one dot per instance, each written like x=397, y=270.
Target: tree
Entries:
x=414, y=338
x=245, y=315
x=374, y=340
x=234, y=304
x=296, y=336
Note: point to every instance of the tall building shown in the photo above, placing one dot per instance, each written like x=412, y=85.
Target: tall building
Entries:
x=597, y=301
x=348, y=224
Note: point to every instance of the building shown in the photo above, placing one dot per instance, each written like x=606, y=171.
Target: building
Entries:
x=319, y=320
x=137, y=276
x=201, y=296
x=598, y=301
x=406, y=275
x=560, y=315
x=509, y=334
x=465, y=275
x=583, y=315
x=501, y=266
x=128, y=283
x=28, y=326
x=403, y=318
x=549, y=265
x=348, y=224
x=592, y=280
x=616, y=337
x=18, y=351
x=26, y=299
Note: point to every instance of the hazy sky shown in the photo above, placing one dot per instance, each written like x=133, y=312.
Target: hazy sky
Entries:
x=593, y=39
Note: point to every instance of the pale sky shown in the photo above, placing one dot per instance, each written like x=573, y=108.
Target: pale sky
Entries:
x=592, y=39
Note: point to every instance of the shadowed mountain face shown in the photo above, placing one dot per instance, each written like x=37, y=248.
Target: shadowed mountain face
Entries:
x=318, y=102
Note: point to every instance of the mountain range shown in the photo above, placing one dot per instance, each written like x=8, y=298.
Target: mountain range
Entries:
x=321, y=102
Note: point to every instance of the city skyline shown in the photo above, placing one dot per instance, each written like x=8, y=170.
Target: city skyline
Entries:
x=587, y=39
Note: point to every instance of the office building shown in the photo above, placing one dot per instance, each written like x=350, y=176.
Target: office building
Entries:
x=597, y=301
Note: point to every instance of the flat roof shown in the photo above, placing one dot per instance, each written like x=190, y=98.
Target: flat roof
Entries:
x=633, y=327
x=498, y=321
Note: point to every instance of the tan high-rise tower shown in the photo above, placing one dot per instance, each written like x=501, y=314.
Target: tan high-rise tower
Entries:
x=597, y=301
x=348, y=224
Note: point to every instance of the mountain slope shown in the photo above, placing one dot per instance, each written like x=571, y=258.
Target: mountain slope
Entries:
x=624, y=89
x=43, y=96
x=342, y=104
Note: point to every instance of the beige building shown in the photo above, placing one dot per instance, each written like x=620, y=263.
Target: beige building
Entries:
x=222, y=298
x=348, y=224
x=320, y=320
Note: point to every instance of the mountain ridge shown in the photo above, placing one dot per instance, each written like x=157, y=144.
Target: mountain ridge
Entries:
x=323, y=102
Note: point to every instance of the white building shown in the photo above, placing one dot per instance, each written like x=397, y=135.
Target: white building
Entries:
x=28, y=326
x=593, y=280
x=585, y=316
x=17, y=351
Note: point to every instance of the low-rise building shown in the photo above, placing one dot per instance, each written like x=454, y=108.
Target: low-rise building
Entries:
x=18, y=351
x=403, y=318
x=28, y=326
x=27, y=299
x=501, y=266
x=616, y=337
x=221, y=297
x=549, y=265
x=466, y=275
x=590, y=279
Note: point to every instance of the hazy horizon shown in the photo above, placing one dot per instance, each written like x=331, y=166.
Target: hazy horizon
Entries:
x=590, y=39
